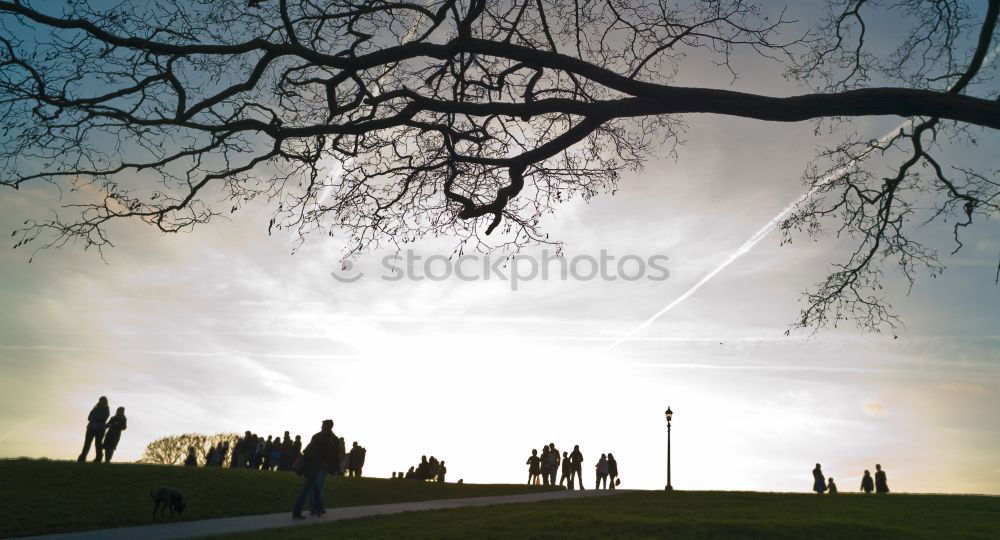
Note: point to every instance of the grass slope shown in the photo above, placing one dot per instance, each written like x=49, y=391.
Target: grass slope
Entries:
x=39, y=496
x=682, y=515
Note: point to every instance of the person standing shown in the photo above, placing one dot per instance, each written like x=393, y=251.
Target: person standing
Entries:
x=819, y=481
x=576, y=460
x=284, y=462
x=867, y=484
x=341, y=465
x=115, y=426
x=601, y=470
x=442, y=471
x=555, y=467
x=533, y=464
x=567, y=472
x=96, y=424
x=546, y=459
x=831, y=488
x=191, y=460
x=881, y=484
x=612, y=471
x=319, y=456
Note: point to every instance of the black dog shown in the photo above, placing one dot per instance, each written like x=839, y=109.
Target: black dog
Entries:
x=167, y=498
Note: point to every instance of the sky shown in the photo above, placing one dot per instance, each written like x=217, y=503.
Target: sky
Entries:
x=229, y=329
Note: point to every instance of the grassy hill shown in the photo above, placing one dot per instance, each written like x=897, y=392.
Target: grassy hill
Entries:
x=683, y=515
x=40, y=496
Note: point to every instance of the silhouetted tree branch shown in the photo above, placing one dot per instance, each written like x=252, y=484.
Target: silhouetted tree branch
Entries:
x=389, y=121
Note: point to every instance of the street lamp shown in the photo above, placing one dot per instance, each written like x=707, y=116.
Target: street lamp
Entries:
x=670, y=415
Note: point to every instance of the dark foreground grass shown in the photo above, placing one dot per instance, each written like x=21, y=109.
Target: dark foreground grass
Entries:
x=39, y=496
x=682, y=515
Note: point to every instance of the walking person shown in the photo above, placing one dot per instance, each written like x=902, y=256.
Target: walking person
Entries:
x=318, y=457
x=576, y=461
x=601, y=470
x=115, y=426
x=881, y=484
x=96, y=424
x=867, y=484
x=819, y=481
x=533, y=464
x=612, y=471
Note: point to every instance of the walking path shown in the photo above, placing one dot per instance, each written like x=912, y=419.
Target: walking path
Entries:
x=209, y=527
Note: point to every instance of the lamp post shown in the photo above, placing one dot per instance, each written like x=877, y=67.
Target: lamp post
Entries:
x=670, y=415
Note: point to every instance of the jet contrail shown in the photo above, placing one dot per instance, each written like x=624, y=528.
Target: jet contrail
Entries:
x=771, y=225
x=767, y=229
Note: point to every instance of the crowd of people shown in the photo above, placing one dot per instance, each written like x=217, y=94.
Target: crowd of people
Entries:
x=327, y=454
x=428, y=470
x=879, y=484
x=103, y=431
x=543, y=468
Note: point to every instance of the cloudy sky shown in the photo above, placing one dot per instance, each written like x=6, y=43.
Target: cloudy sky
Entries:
x=225, y=329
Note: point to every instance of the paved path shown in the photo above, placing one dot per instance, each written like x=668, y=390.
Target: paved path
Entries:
x=209, y=527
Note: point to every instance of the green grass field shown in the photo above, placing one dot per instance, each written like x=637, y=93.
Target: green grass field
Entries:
x=38, y=496
x=683, y=515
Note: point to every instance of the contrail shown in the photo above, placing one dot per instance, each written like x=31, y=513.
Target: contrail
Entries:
x=767, y=229
x=771, y=225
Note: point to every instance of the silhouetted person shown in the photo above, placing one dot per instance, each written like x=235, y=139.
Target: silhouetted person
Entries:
x=881, y=484
x=423, y=469
x=296, y=450
x=319, y=456
x=115, y=426
x=546, y=462
x=286, y=453
x=819, y=481
x=442, y=470
x=831, y=488
x=576, y=460
x=555, y=463
x=433, y=468
x=601, y=472
x=612, y=471
x=355, y=460
x=567, y=471
x=411, y=474
x=344, y=458
x=191, y=460
x=533, y=464
x=867, y=484
x=96, y=423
